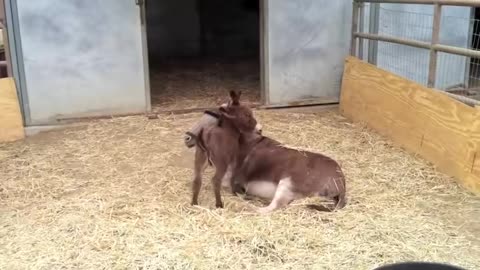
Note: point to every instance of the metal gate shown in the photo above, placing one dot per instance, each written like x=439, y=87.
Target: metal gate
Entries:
x=426, y=41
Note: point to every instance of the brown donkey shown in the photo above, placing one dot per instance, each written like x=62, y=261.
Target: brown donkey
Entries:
x=217, y=143
x=267, y=169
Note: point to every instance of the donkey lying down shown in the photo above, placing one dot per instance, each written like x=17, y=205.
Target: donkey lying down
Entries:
x=272, y=171
x=262, y=166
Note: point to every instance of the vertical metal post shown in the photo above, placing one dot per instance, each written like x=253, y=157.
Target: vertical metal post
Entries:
x=264, y=53
x=373, y=29
x=361, y=23
x=468, y=63
x=432, y=69
x=140, y=4
x=353, y=45
x=6, y=45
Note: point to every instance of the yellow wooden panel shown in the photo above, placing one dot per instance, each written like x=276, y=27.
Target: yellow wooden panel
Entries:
x=444, y=131
x=11, y=123
x=367, y=96
x=473, y=165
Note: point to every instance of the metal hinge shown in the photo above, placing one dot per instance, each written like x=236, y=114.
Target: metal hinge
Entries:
x=140, y=4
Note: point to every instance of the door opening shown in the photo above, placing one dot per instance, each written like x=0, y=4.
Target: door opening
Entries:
x=198, y=50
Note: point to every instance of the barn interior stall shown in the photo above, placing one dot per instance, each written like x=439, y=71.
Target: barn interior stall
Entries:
x=200, y=49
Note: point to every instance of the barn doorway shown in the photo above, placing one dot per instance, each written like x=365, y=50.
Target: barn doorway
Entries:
x=198, y=50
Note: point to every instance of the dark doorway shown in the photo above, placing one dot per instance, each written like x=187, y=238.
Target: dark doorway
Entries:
x=200, y=49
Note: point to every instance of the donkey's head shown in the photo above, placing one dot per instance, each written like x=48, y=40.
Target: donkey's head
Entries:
x=229, y=110
x=239, y=115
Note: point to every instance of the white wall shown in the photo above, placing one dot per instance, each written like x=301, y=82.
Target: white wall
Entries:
x=308, y=41
x=81, y=58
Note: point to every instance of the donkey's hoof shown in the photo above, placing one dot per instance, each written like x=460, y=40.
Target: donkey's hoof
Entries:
x=237, y=189
x=247, y=197
x=193, y=203
x=219, y=204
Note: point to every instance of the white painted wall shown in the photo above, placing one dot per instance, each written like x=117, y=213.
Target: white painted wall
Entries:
x=308, y=41
x=81, y=58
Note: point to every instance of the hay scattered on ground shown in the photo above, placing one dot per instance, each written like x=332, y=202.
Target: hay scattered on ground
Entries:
x=199, y=84
x=115, y=194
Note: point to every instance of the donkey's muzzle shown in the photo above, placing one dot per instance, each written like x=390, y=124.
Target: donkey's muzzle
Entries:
x=259, y=129
x=190, y=140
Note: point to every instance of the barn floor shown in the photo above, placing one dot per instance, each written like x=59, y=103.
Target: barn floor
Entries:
x=114, y=194
x=191, y=84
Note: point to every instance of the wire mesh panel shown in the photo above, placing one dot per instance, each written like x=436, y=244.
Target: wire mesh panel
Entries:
x=406, y=21
x=471, y=87
x=405, y=61
x=412, y=41
x=474, y=74
x=412, y=22
x=364, y=27
x=415, y=22
x=473, y=80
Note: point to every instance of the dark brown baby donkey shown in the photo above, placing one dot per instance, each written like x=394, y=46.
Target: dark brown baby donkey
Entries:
x=217, y=141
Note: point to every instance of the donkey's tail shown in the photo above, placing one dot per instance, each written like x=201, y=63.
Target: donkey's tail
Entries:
x=339, y=202
x=319, y=207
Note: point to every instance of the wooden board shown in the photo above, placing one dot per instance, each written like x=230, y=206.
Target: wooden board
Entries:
x=442, y=130
x=11, y=123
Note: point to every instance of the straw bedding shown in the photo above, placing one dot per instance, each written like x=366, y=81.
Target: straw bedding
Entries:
x=114, y=194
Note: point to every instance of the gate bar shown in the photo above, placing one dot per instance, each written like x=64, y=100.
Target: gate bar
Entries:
x=421, y=44
x=355, y=11
x=408, y=42
x=471, y=3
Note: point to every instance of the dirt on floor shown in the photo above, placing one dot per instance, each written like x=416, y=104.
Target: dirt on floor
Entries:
x=114, y=194
x=190, y=84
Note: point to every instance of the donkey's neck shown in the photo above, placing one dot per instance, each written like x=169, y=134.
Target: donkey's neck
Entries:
x=251, y=137
x=250, y=140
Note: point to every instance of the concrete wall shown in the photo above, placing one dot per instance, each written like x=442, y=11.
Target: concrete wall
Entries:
x=81, y=58
x=307, y=44
x=231, y=28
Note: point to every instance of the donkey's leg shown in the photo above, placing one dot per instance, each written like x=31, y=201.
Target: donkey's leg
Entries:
x=283, y=196
x=200, y=166
x=226, y=179
x=220, y=172
x=237, y=180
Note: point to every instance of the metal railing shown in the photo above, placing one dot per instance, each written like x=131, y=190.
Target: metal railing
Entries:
x=433, y=46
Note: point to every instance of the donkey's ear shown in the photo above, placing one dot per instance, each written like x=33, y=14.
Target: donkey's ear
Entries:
x=235, y=97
